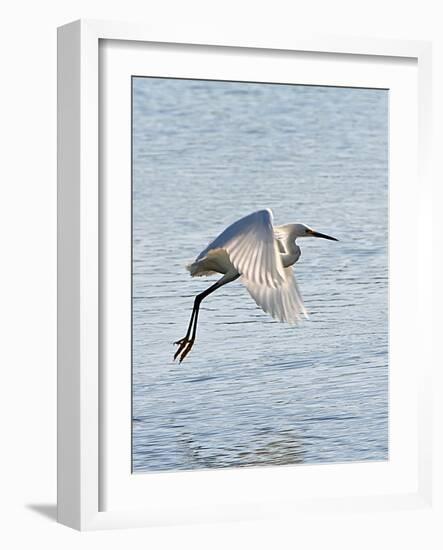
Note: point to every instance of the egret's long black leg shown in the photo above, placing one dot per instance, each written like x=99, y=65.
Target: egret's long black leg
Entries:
x=188, y=332
x=186, y=343
x=183, y=341
x=190, y=341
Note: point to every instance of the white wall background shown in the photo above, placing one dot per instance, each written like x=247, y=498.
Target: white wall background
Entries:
x=28, y=274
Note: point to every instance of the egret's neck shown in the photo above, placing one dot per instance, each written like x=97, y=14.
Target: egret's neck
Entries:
x=290, y=246
x=291, y=252
x=286, y=235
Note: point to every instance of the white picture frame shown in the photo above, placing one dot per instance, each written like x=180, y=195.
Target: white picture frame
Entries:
x=83, y=443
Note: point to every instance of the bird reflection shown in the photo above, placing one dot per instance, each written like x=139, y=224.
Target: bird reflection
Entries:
x=279, y=448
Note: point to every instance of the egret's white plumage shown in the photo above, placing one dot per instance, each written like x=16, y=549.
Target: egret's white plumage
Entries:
x=283, y=302
x=263, y=256
x=252, y=248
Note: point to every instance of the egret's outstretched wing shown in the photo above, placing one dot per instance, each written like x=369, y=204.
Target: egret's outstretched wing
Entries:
x=252, y=249
x=283, y=302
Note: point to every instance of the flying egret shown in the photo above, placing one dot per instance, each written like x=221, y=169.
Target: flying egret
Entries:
x=262, y=255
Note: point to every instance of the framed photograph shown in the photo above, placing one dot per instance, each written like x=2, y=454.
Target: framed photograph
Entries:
x=242, y=332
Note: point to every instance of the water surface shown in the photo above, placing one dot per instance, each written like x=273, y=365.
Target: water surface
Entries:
x=253, y=390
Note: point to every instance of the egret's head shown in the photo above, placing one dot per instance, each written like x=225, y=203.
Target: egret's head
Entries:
x=302, y=230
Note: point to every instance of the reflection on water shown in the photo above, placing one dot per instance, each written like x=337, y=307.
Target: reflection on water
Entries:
x=254, y=391
x=277, y=449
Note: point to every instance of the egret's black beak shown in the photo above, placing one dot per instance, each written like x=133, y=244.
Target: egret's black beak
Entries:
x=323, y=236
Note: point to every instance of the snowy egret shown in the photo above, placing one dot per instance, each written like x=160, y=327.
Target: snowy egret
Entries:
x=262, y=255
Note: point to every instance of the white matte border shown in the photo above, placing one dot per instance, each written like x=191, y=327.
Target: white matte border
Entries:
x=229, y=491
x=78, y=141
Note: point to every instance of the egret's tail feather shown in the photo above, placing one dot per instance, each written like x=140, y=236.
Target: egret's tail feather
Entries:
x=197, y=270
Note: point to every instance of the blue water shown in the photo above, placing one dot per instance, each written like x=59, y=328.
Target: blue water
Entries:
x=253, y=390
